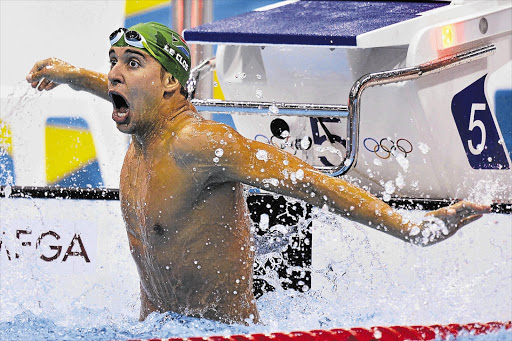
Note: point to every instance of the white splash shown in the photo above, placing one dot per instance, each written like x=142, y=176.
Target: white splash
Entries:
x=273, y=109
x=272, y=181
x=423, y=147
x=403, y=162
x=262, y=155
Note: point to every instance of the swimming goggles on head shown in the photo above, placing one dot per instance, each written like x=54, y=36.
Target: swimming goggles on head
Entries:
x=132, y=38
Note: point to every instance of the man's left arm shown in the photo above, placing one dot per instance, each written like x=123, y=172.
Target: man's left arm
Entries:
x=264, y=166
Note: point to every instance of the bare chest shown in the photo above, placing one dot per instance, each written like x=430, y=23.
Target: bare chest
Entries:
x=154, y=192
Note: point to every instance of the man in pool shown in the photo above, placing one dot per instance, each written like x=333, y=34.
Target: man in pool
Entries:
x=181, y=186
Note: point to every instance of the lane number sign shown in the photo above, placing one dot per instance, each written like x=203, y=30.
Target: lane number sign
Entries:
x=477, y=128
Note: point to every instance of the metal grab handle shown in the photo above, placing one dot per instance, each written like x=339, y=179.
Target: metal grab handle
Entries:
x=352, y=111
x=269, y=108
x=394, y=76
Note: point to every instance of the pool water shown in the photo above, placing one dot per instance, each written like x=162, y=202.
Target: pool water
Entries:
x=360, y=278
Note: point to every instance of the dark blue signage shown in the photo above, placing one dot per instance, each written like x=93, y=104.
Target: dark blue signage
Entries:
x=477, y=128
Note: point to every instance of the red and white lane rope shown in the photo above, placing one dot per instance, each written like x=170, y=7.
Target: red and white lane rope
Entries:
x=394, y=333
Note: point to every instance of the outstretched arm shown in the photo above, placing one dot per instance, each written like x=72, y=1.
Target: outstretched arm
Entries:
x=266, y=167
x=47, y=74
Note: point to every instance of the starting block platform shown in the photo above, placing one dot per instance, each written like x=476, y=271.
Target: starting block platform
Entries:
x=293, y=75
x=311, y=23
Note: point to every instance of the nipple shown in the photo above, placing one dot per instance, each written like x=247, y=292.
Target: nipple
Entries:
x=158, y=229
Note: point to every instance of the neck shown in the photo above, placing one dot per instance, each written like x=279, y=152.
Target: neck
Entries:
x=168, y=113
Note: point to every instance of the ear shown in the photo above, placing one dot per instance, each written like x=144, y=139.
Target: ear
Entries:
x=170, y=83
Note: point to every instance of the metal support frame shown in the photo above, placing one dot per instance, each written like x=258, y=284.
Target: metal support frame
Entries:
x=352, y=111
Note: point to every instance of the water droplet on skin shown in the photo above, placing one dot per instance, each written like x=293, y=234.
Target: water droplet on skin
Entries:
x=219, y=152
x=300, y=174
x=262, y=155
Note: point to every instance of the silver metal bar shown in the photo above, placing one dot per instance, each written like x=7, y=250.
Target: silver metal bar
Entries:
x=269, y=108
x=352, y=111
x=394, y=76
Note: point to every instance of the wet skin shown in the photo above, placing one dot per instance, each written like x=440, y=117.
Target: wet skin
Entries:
x=182, y=196
x=189, y=232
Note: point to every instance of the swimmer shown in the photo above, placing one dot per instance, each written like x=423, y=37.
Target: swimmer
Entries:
x=181, y=184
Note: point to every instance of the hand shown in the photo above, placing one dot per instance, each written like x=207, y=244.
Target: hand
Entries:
x=47, y=74
x=444, y=222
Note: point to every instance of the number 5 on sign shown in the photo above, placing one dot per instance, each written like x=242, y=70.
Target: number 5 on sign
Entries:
x=477, y=128
x=477, y=124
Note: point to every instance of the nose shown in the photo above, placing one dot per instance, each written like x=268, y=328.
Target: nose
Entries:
x=115, y=76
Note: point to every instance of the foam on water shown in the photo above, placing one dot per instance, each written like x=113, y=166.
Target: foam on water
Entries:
x=360, y=277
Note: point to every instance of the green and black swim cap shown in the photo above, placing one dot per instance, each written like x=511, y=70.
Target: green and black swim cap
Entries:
x=165, y=45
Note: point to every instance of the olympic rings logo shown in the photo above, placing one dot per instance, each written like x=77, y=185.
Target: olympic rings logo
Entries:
x=387, y=147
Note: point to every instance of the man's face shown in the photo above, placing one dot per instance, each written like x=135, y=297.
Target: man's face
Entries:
x=136, y=89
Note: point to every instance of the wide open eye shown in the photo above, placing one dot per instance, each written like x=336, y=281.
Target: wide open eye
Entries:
x=134, y=63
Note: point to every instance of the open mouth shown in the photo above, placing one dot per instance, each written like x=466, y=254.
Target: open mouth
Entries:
x=121, y=107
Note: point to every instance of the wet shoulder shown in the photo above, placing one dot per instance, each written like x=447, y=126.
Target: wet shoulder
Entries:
x=201, y=137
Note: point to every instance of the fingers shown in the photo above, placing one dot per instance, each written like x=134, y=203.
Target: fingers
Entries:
x=42, y=73
x=51, y=85
x=34, y=73
x=471, y=219
x=461, y=209
x=466, y=208
x=43, y=84
x=39, y=72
